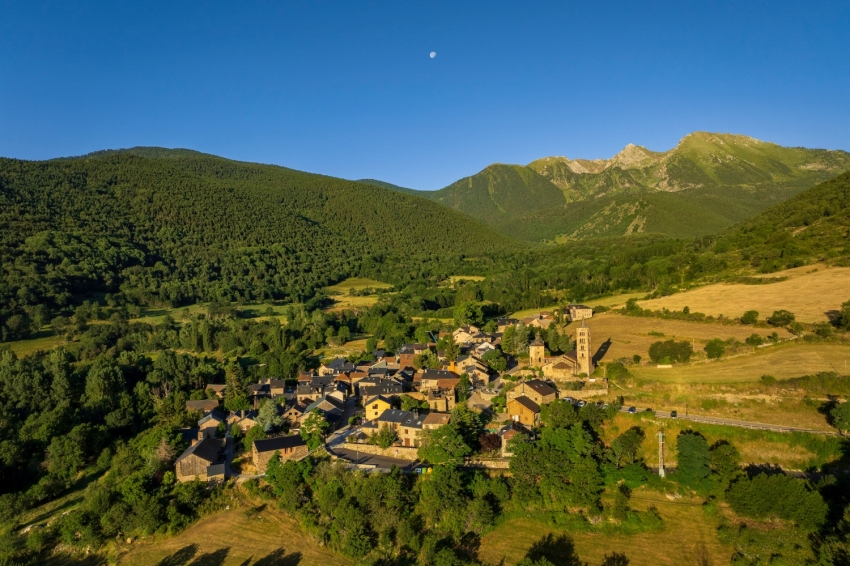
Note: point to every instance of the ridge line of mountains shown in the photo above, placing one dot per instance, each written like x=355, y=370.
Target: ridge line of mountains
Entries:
x=705, y=184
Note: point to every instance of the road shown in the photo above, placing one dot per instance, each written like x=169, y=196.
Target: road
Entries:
x=733, y=422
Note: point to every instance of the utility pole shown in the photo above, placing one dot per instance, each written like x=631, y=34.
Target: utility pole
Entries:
x=661, y=453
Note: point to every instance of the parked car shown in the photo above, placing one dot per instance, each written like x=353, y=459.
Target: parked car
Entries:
x=648, y=410
x=673, y=414
x=581, y=404
x=632, y=410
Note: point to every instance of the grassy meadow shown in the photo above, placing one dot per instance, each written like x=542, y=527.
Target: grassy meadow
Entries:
x=241, y=536
x=342, y=299
x=809, y=292
x=689, y=537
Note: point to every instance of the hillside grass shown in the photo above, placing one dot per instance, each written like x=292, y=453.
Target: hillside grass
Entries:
x=630, y=335
x=781, y=361
x=790, y=450
x=809, y=292
x=241, y=536
x=689, y=537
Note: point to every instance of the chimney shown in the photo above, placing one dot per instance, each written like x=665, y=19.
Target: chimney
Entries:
x=415, y=413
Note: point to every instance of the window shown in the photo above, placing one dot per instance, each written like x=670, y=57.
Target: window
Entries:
x=375, y=406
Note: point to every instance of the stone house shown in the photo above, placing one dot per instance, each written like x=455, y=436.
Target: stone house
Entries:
x=288, y=447
x=201, y=460
x=441, y=400
x=578, y=312
x=538, y=391
x=524, y=410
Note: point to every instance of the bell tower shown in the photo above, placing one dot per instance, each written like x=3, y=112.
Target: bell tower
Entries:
x=536, y=352
x=584, y=354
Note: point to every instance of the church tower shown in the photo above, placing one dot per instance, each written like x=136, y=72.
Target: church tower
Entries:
x=536, y=352
x=584, y=355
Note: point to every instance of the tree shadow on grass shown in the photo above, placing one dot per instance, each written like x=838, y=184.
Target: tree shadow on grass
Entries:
x=280, y=558
x=558, y=550
x=215, y=558
x=181, y=557
x=615, y=559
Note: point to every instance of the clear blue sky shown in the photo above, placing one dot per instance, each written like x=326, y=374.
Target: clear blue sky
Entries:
x=347, y=88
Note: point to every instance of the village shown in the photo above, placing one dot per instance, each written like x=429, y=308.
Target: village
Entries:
x=374, y=414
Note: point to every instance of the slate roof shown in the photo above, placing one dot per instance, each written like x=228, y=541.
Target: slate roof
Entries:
x=393, y=416
x=540, y=387
x=207, y=449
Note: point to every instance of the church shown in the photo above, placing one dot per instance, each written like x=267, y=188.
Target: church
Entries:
x=578, y=363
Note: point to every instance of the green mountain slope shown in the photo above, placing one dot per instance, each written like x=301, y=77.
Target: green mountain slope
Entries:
x=814, y=225
x=181, y=226
x=705, y=184
x=390, y=186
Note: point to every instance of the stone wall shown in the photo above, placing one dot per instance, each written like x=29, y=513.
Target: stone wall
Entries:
x=402, y=452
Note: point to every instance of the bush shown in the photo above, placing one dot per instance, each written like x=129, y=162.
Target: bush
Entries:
x=671, y=351
x=781, y=318
x=715, y=348
x=755, y=340
x=750, y=317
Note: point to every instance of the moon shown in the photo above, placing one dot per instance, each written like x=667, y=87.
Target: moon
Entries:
x=433, y=54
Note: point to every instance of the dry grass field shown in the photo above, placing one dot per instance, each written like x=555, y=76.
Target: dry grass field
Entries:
x=240, y=537
x=689, y=537
x=781, y=361
x=630, y=335
x=809, y=292
x=343, y=300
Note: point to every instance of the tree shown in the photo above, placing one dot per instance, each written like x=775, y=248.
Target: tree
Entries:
x=490, y=442
x=559, y=413
x=781, y=318
x=508, y=339
x=256, y=432
x=444, y=445
x=385, y=437
x=725, y=461
x=620, y=508
x=750, y=317
x=754, y=340
x=408, y=403
x=843, y=319
x=626, y=447
x=452, y=350
x=715, y=348
x=269, y=416
x=670, y=351
x=371, y=344
x=462, y=388
x=313, y=430
x=841, y=417
x=694, y=459
x=235, y=395
x=468, y=423
x=468, y=313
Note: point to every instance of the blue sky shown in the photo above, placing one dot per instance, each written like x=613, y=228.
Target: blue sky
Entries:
x=348, y=89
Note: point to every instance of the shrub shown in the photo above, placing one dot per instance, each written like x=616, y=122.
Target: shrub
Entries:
x=715, y=348
x=781, y=318
x=755, y=340
x=671, y=351
x=750, y=317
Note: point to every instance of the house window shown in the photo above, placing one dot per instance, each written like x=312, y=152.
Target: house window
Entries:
x=375, y=406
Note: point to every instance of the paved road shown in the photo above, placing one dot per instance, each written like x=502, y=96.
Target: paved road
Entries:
x=733, y=422
x=381, y=463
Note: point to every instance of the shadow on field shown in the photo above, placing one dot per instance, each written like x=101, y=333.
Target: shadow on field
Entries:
x=558, y=550
x=215, y=558
x=280, y=558
x=181, y=557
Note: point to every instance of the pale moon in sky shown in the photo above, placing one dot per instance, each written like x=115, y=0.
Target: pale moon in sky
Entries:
x=433, y=54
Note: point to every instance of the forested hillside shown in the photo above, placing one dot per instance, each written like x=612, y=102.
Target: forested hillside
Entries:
x=172, y=227
x=707, y=183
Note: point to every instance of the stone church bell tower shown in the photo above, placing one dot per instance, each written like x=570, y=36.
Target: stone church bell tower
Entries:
x=584, y=353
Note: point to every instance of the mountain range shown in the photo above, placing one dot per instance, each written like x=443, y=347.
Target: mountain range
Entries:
x=705, y=184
